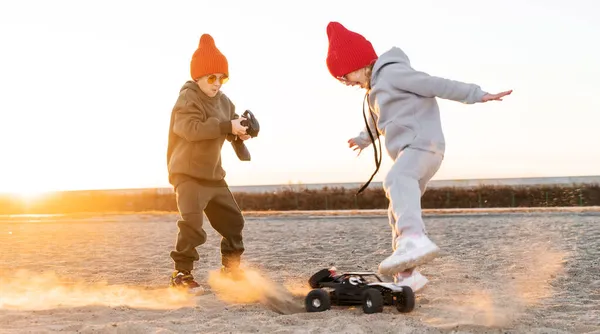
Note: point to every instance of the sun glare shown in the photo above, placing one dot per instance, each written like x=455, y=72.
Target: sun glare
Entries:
x=29, y=194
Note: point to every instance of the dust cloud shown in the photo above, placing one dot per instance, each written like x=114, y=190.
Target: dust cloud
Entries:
x=255, y=288
x=32, y=291
x=500, y=300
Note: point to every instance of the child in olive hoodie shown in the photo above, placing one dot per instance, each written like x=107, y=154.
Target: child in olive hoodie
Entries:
x=403, y=108
x=201, y=120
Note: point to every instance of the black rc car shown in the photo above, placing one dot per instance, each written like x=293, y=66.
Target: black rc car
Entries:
x=356, y=288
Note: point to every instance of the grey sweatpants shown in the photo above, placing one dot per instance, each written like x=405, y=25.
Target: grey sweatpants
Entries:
x=405, y=184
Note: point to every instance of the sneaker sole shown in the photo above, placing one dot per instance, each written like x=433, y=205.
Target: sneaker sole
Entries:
x=426, y=256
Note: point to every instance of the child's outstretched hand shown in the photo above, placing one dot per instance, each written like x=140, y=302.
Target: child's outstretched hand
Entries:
x=353, y=145
x=495, y=97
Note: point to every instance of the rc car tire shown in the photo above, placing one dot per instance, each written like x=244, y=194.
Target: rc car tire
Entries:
x=319, y=276
x=317, y=300
x=372, y=301
x=405, y=300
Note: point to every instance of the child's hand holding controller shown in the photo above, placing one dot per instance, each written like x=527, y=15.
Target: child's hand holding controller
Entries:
x=237, y=128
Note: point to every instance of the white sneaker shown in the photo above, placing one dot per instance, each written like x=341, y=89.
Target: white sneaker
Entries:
x=416, y=281
x=411, y=251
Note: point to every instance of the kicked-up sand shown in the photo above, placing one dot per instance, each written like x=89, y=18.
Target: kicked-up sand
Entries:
x=499, y=272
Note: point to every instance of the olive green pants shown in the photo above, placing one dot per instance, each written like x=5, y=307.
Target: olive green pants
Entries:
x=222, y=212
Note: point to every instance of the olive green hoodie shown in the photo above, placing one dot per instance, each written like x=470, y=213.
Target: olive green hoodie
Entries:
x=199, y=126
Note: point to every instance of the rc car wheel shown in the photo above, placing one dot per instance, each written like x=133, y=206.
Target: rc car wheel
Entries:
x=372, y=301
x=405, y=300
x=317, y=300
x=320, y=276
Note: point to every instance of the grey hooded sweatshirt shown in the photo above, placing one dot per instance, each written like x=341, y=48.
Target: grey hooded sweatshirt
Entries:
x=404, y=105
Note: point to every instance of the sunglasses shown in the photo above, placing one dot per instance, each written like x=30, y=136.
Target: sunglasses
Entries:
x=212, y=78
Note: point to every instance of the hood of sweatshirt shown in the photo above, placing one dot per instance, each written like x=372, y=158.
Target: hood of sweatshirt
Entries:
x=193, y=86
x=394, y=55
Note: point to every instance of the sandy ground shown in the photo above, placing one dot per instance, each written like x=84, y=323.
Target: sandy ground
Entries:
x=500, y=272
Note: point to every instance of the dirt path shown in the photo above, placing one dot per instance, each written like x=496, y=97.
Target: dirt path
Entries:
x=499, y=273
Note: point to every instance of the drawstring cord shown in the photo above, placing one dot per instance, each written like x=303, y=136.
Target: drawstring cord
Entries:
x=377, y=158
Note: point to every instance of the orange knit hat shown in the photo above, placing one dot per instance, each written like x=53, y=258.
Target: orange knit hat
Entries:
x=207, y=59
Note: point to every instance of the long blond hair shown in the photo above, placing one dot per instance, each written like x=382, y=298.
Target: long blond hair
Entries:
x=368, y=73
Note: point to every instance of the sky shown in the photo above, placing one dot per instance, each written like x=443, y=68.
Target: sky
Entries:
x=87, y=87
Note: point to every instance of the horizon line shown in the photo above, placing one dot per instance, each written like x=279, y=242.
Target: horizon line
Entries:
x=462, y=183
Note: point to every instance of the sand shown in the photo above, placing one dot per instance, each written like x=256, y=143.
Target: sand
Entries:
x=519, y=271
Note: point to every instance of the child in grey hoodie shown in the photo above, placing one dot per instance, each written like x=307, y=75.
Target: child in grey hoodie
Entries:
x=403, y=109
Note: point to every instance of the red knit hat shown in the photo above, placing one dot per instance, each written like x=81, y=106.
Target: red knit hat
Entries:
x=207, y=59
x=348, y=51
